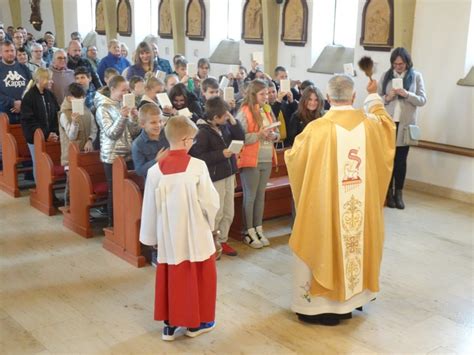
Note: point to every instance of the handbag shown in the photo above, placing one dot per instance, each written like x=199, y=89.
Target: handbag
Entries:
x=412, y=134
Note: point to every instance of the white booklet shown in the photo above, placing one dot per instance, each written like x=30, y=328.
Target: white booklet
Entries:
x=185, y=112
x=236, y=146
x=397, y=83
x=192, y=69
x=285, y=85
x=348, y=69
x=224, y=83
x=163, y=100
x=228, y=93
x=78, y=106
x=273, y=125
x=129, y=100
x=258, y=57
x=234, y=69
x=160, y=75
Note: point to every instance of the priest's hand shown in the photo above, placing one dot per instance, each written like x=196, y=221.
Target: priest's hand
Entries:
x=372, y=87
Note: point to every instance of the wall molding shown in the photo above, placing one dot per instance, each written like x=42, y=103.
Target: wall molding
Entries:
x=446, y=148
x=440, y=191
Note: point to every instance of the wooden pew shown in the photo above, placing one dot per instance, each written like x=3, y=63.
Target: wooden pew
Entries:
x=123, y=238
x=49, y=173
x=87, y=188
x=14, y=151
x=277, y=197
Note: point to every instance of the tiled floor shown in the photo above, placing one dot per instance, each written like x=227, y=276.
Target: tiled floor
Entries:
x=60, y=293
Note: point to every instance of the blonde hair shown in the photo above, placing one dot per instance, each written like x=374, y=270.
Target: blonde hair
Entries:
x=148, y=110
x=250, y=99
x=113, y=42
x=178, y=127
x=152, y=81
x=39, y=74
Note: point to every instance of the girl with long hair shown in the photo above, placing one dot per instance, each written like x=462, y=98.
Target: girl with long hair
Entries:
x=255, y=159
x=310, y=108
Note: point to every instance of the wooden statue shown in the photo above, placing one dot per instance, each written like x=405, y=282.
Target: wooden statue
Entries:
x=35, y=18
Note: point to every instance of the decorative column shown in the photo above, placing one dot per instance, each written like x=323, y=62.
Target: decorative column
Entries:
x=178, y=17
x=15, y=9
x=110, y=17
x=404, y=11
x=58, y=15
x=271, y=20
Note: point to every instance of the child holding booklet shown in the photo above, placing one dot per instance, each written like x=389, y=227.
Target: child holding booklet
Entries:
x=75, y=125
x=179, y=209
x=216, y=132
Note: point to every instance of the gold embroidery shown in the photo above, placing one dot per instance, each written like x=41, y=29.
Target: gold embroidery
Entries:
x=352, y=219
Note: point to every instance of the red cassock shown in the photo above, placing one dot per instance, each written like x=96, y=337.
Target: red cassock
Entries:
x=185, y=293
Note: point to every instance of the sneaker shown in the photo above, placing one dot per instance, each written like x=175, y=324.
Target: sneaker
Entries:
x=204, y=328
x=228, y=250
x=169, y=333
x=251, y=239
x=154, y=257
x=264, y=240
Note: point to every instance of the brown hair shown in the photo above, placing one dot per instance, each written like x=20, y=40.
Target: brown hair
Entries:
x=216, y=106
x=250, y=99
x=143, y=47
x=116, y=81
x=306, y=115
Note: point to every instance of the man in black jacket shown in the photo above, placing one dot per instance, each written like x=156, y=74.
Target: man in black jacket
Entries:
x=75, y=60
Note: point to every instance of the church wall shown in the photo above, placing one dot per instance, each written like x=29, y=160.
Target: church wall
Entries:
x=5, y=14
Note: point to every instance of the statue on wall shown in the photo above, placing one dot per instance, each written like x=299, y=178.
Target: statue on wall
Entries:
x=35, y=18
x=377, y=25
x=99, y=17
x=165, y=29
x=252, y=22
x=295, y=23
x=196, y=20
x=124, y=18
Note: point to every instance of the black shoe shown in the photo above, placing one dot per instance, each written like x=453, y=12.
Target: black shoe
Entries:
x=391, y=199
x=399, y=200
x=360, y=309
x=345, y=315
x=328, y=319
x=169, y=333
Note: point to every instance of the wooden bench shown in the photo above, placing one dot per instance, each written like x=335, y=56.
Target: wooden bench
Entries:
x=14, y=152
x=123, y=238
x=49, y=174
x=277, y=197
x=87, y=188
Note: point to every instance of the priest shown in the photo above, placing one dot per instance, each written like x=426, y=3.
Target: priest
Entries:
x=339, y=169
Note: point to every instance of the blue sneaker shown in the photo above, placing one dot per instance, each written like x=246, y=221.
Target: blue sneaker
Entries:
x=169, y=333
x=203, y=328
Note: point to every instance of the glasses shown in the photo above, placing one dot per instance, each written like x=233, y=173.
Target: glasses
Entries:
x=399, y=64
x=61, y=58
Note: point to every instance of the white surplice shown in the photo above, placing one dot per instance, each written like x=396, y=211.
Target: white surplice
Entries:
x=178, y=213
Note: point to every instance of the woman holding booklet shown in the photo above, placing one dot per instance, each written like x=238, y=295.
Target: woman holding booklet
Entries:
x=256, y=157
x=143, y=61
x=403, y=91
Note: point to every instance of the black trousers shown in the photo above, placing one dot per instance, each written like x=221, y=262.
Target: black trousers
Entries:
x=110, y=196
x=399, y=166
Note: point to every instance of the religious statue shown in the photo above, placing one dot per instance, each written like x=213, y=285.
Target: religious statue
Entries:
x=377, y=22
x=295, y=22
x=35, y=18
x=165, y=29
x=195, y=20
x=99, y=17
x=124, y=18
x=253, y=22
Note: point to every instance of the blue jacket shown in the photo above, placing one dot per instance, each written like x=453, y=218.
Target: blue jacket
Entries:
x=144, y=151
x=163, y=65
x=13, y=81
x=111, y=61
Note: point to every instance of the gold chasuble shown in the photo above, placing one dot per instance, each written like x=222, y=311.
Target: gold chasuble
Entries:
x=339, y=170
